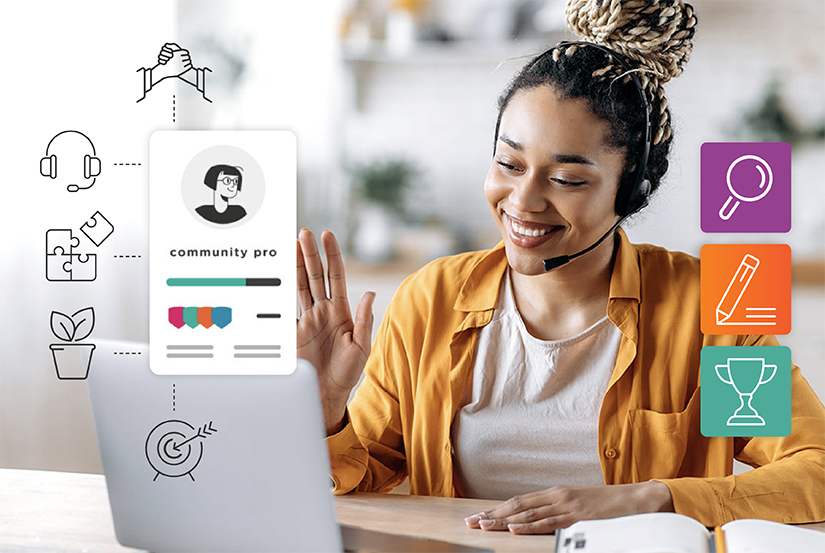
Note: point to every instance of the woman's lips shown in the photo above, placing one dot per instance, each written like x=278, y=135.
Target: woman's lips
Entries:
x=545, y=232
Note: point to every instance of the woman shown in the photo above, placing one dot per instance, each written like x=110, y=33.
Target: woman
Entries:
x=493, y=377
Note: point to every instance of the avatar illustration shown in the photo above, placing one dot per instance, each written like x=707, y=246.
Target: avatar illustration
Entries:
x=225, y=181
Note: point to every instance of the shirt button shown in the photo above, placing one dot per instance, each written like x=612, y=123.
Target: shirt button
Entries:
x=611, y=453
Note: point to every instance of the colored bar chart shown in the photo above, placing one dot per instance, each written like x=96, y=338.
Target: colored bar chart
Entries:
x=223, y=282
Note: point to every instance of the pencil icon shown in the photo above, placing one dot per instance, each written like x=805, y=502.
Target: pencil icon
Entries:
x=736, y=288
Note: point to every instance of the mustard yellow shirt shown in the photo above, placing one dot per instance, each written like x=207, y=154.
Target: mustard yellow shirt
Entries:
x=399, y=420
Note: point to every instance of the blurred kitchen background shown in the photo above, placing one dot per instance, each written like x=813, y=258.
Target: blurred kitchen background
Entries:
x=393, y=104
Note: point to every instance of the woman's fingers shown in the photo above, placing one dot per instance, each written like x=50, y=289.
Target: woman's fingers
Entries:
x=498, y=517
x=543, y=526
x=335, y=267
x=304, y=296
x=314, y=267
x=362, y=331
x=530, y=515
x=516, y=505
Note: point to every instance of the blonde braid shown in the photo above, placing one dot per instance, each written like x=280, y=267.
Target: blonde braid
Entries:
x=657, y=34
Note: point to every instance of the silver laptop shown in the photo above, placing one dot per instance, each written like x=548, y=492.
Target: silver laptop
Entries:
x=211, y=463
x=220, y=463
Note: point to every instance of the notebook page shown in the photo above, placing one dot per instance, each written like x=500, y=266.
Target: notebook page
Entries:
x=647, y=533
x=762, y=536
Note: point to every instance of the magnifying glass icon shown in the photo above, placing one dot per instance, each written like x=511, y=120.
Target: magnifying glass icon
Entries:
x=765, y=187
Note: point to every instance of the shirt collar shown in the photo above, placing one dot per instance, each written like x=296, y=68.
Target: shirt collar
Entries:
x=480, y=289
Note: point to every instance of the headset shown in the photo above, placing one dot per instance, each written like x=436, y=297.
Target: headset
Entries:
x=91, y=164
x=631, y=199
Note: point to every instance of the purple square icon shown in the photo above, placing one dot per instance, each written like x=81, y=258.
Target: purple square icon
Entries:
x=746, y=187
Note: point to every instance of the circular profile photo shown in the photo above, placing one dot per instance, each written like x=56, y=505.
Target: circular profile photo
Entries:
x=223, y=187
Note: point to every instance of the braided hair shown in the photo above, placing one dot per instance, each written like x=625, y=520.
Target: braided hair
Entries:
x=653, y=36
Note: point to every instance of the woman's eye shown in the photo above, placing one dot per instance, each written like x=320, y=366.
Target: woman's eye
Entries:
x=569, y=183
x=508, y=167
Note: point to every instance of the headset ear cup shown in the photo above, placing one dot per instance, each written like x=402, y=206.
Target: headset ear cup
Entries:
x=644, y=193
x=639, y=197
x=48, y=166
x=634, y=199
x=91, y=166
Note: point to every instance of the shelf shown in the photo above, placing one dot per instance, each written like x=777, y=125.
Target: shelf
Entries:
x=458, y=52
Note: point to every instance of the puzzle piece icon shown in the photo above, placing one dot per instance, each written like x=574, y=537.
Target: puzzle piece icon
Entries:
x=58, y=266
x=62, y=264
x=83, y=266
x=60, y=241
x=98, y=228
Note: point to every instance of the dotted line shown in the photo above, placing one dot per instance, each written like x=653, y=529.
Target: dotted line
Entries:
x=129, y=256
x=127, y=353
x=127, y=164
x=173, y=397
x=173, y=108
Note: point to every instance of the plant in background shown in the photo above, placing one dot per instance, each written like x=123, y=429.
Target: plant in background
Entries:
x=385, y=183
x=67, y=355
x=382, y=187
x=770, y=121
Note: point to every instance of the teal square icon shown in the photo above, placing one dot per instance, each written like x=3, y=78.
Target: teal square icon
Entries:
x=745, y=391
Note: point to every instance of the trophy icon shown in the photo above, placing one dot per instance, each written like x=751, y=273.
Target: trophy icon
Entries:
x=745, y=375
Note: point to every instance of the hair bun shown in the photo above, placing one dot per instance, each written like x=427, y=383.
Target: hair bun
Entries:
x=656, y=33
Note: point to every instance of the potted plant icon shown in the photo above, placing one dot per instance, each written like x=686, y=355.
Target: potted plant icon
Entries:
x=68, y=355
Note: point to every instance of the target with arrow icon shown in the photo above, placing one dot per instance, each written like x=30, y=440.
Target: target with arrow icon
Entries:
x=174, y=448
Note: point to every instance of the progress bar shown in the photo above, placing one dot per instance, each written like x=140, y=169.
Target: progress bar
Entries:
x=223, y=282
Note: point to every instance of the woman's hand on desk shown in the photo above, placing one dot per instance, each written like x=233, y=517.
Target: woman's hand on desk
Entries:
x=328, y=337
x=560, y=506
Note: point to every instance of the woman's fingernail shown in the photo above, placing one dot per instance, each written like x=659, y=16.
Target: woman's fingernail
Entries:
x=472, y=520
x=486, y=523
x=514, y=527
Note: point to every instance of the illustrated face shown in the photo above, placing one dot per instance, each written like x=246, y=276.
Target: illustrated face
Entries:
x=227, y=185
x=553, y=181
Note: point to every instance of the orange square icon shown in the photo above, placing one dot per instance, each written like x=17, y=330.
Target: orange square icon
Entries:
x=746, y=289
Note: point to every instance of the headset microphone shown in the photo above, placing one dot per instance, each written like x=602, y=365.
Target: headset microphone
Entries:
x=629, y=201
x=554, y=262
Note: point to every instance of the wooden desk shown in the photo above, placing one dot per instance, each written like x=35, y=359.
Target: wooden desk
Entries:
x=44, y=511
x=440, y=518
x=60, y=511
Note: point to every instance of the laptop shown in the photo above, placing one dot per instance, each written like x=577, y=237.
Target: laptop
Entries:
x=219, y=463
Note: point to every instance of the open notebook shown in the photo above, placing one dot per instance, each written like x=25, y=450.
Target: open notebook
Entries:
x=672, y=533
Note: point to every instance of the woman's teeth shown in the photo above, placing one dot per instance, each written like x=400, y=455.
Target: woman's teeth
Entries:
x=528, y=232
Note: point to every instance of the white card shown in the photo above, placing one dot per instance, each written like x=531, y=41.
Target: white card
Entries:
x=222, y=296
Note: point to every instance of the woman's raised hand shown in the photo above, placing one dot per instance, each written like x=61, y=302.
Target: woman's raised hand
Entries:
x=328, y=338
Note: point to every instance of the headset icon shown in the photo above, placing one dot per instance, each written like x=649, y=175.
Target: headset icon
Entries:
x=91, y=163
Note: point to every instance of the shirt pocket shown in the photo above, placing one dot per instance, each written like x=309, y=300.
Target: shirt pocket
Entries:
x=659, y=440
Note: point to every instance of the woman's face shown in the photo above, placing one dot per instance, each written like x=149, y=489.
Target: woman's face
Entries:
x=553, y=181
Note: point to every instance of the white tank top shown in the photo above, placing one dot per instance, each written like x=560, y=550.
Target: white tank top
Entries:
x=533, y=416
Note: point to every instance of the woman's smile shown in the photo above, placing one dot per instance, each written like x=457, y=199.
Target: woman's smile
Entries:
x=529, y=234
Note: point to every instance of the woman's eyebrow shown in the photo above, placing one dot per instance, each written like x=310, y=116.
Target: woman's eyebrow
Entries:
x=573, y=158
x=558, y=158
x=510, y=142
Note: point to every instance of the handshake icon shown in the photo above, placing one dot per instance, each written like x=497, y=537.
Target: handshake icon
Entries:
x=174, y=62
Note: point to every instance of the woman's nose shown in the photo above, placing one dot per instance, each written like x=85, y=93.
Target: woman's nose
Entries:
x=529, y=194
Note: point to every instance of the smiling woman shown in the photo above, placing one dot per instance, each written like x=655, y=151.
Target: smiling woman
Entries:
x=569, y=389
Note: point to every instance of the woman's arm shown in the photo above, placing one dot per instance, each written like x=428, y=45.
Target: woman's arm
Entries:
x=365, y=443
x=367, y=454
